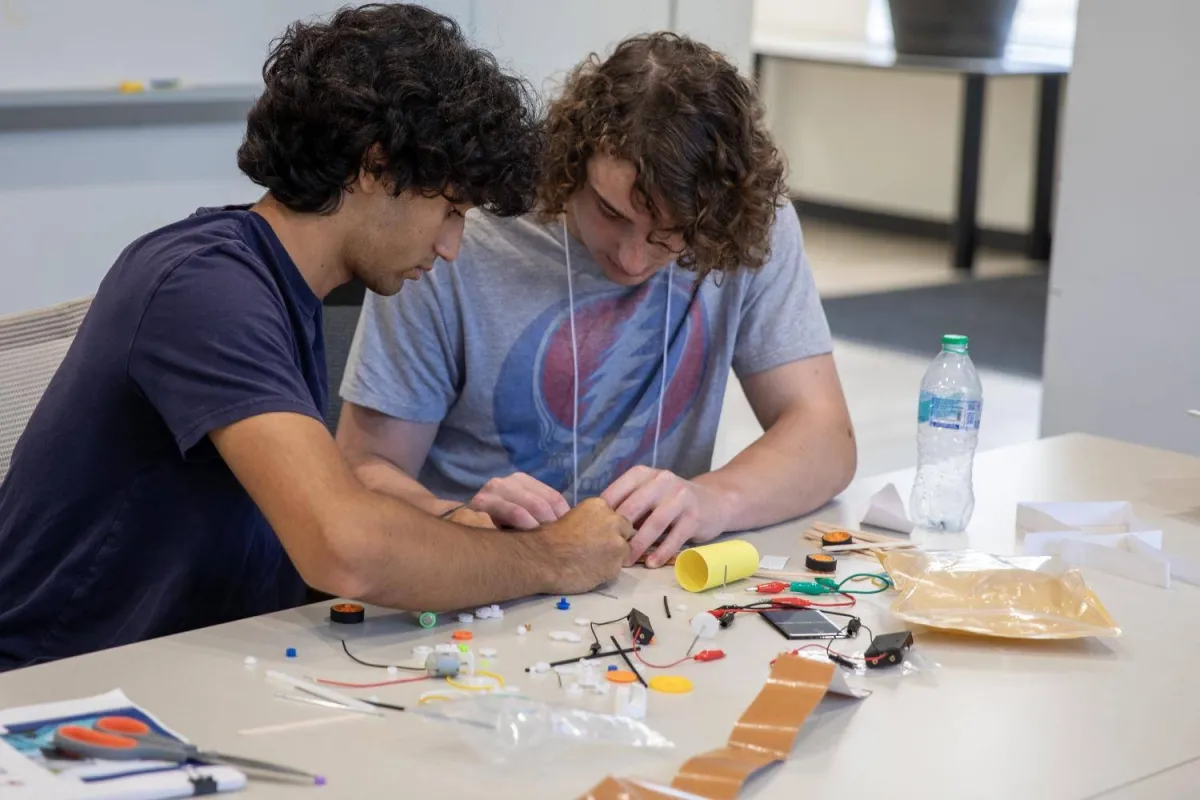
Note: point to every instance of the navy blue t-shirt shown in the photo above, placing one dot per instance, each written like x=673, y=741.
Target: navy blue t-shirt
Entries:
x=119, y=521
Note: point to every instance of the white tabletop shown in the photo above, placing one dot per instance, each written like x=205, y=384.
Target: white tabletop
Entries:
x=994, y=719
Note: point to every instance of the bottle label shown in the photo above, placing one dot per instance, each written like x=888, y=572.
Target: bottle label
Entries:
x=950, y=413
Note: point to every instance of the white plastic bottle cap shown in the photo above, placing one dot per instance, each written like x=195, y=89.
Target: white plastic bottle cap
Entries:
x=421, y=651
x=487, y=652
x=522, y=630
x=466, y=619
x=393, y=672
x=250, y=661
x=541, y=666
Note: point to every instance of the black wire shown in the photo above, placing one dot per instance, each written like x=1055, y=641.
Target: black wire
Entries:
x=358, y=660
x=593, y=625
x=862, y=625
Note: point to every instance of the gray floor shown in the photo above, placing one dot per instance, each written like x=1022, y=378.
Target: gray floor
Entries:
x=881, y=386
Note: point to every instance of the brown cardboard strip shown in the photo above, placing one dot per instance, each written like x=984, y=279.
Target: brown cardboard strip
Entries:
x=763, y=735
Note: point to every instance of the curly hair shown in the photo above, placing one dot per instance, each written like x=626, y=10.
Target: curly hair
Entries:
x=394, y=90
x=693, y=129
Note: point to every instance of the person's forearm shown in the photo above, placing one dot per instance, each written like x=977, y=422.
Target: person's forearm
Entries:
x=380, y=475
x=798, y=465
x=399, y=557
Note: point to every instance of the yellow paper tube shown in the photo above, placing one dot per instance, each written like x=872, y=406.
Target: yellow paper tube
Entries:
x=701, y=568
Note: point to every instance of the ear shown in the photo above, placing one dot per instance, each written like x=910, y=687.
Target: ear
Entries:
x=370, y=178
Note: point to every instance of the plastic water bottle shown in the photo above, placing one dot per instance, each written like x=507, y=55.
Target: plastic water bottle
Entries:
x=947, y=434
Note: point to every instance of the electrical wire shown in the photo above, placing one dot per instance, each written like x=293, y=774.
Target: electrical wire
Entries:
x=637, y=654
x=592, y=626
x=375, y=685
x=358, y=660
x=862, y=576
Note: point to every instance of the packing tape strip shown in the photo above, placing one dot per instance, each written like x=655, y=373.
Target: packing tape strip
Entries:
x=763, y=735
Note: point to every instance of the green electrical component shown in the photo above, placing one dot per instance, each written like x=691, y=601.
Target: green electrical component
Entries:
x=807, y=587
x=427, y=619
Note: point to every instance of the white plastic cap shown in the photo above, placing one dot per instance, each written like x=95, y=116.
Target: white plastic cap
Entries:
x=250, y=661
x=466, y=619
x=393, y=671
x=541, y=666
x=487, y=652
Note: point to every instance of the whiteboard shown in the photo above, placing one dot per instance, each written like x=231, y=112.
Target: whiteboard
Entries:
x=79, y=44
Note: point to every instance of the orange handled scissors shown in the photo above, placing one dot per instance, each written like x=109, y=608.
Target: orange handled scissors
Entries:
x=128, y=739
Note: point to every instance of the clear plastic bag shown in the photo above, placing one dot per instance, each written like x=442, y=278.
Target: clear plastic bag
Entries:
x=502, y=726
x=1019, y=597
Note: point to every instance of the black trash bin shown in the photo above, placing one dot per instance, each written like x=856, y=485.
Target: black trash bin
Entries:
x=961, y=28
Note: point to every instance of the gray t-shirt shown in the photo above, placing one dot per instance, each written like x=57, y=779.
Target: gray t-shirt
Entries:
x=482, y=347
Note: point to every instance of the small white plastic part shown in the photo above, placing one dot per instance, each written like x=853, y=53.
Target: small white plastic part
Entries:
x=487, y=652
x=522, y=630
x=483, y=613
x=582, y=622
x=705, y=625
x=541, y=667
x=566, y=636
x=393, y=672
x=466, y=619
x=601, y=688
x=630, y=701
x=494, y=607
x=250, y=661
x=445, y=647
x=587, y=674
x=497, y=613
x=681, y=607
x=421, y=652
x=575, y=690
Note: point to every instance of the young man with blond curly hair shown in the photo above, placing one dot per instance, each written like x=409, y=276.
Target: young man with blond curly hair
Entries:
x=583, y=351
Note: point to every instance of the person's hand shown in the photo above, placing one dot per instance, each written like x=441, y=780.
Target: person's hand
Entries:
x=471, y=518
x=584, y=549
x=519, y=501
x=671, y=511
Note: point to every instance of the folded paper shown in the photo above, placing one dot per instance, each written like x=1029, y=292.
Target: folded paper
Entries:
x=1104, y=536
x=886, y=510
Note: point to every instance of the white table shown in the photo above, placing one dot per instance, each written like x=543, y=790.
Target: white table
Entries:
x=996, y=719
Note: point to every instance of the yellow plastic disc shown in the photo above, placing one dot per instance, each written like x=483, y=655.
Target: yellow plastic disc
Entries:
x=620, y=676
x=670, y=684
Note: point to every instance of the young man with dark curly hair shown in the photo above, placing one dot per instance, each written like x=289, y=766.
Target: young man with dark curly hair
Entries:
x=177, y=473
x=585, y=351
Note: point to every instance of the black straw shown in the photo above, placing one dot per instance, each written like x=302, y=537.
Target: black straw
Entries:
x=632, y=668
x=666, y=606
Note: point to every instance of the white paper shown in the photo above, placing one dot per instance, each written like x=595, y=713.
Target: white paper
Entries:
x=1050, y=543
x=1147, y=566
x=772, y=563
x=886, y=510
x=1095, y=518
x=54, y=779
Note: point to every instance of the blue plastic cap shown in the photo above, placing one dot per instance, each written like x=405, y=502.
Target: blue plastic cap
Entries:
x=612, y=667
x=291, y=652
x=562, y=604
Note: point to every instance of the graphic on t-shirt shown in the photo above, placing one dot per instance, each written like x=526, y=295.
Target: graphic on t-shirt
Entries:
x=620, y=341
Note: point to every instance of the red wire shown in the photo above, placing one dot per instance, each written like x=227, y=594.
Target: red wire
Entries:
x=371, y=685
x=637, y=654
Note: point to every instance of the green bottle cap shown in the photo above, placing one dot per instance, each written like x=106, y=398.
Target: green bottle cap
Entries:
x=955, y=342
